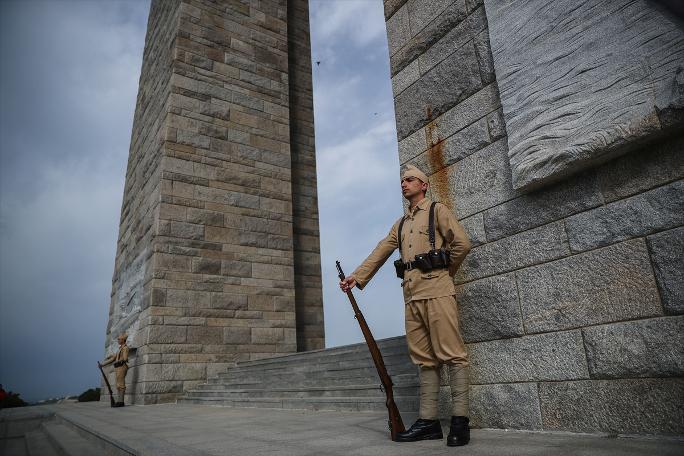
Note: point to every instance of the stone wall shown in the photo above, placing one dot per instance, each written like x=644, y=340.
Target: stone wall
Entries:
x=571, y=298
x=132, y=293
x=219, y=231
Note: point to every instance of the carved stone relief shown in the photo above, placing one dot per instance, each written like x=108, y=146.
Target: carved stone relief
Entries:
x=583, y=81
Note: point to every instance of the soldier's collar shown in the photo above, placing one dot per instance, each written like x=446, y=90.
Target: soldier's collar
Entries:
x=423, y=204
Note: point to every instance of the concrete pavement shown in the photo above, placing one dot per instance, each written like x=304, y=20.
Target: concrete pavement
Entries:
x=176, y=429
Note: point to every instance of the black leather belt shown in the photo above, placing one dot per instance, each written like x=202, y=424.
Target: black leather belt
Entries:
x=119, y=363
x=409, y=265
x=412, y=265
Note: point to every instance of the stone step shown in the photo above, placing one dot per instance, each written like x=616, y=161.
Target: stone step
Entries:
x=390, y=361
x=67, y=441
x=394, y=359
x=340, y=391
x=322, y=379
x=387, y=347
x=342, y=382
x=405, y=404
x=300, y=382
x=366, y=376
x=346, y=378
x=314, y=369
x=39, y=444
x=341, y=378
x=303, y=384
x=338, y=372
x=12, y=446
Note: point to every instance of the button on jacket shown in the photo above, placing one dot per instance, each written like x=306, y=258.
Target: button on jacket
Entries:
x=449, y=234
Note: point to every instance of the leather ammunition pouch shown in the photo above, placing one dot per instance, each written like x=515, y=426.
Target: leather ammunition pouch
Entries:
x=426, y=262
x=399, y=268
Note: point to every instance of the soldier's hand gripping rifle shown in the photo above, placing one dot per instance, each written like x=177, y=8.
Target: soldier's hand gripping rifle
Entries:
x=111, y=395
x=395, y=423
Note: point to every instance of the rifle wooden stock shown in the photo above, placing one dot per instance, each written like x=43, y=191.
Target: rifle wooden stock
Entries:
x=395, y=422
x=111, y=395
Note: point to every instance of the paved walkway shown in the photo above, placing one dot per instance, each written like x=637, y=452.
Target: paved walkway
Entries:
x=204, y=430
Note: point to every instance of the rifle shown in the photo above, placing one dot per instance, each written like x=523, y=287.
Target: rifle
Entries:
x=395, y=423
x=111, y=395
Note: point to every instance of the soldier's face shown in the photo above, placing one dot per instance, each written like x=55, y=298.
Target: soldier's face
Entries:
x=411, y=186
x=121, y=340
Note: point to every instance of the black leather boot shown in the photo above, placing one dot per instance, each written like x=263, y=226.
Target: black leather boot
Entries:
x=119, y=404
x=459, y=432
x=421, y=430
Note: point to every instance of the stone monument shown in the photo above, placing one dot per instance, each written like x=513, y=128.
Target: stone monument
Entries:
x=554, y=130
x=218, y=250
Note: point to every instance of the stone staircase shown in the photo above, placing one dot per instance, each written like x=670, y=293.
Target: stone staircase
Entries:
x=341, y=378
x=37, y=431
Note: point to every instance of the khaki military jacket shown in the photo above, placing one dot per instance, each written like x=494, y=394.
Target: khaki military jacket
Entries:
x=449, y=234
x=121, y=355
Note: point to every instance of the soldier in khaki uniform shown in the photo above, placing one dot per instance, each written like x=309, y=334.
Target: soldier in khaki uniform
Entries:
x=120, y=361
x=432, y=328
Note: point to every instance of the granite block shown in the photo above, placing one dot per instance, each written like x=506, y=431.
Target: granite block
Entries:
x=631, y=406
x=437, y=91
x=489, y=309
x=667, y=255
x=505, y=406
x=539, y=245
x=610, y=284
x=640, y=215
x=543, y=357
x=652, y=347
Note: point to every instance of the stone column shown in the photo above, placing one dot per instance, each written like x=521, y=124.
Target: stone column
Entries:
x=218, y=252
x=307, y=259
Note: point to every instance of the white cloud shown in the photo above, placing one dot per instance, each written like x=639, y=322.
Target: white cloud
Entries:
x=362, y=161
x=335, y=98
x=357, y=161
x=360, y=21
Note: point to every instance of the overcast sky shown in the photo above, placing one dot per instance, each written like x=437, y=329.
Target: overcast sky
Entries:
x=68, y=85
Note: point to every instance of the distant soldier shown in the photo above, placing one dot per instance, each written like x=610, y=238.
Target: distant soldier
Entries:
x=120, y=361
x=432, y=245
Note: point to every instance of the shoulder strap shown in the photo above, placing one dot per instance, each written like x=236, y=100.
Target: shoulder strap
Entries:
x=431, y=227
x=401, y=225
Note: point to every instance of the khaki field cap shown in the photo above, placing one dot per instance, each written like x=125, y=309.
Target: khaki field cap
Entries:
x=412, y=171
x=123, y=336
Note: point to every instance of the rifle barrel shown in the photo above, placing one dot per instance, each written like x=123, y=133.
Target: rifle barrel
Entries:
x=111, y=394
x=395, y=422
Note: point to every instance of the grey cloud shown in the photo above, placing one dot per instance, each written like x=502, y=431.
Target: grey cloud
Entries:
x=67, y=89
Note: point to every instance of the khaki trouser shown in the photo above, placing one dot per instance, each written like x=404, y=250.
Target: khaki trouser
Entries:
x=434, y=338
x=120, y=373
x=433, y=333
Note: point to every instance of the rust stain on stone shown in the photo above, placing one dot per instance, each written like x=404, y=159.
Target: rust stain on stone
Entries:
x=439, y=181
x=435, y=157
x=435, y=152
